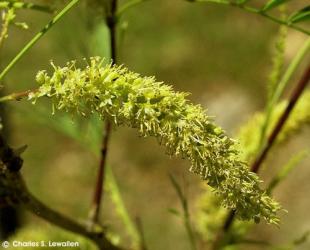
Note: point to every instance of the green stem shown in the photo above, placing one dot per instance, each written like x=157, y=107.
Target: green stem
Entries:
x=36, y=38
x=23, y=5
x=281, y=86
x=256, y=11
x=121, y=209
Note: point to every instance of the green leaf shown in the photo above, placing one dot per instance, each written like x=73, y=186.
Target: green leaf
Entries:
x=300, y=16
x=273, y=3
x=286, y=170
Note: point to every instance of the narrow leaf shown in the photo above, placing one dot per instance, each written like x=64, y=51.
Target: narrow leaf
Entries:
x=287, y=169
x=273, y=3
x=300, y=16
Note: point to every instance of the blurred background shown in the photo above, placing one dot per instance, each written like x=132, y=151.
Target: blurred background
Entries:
x=221, y=55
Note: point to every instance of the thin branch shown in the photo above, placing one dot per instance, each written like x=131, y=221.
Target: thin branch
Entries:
x=255, y=11
x=37, y=37
x=112, y=22
x=98, y=193
x=23, y=5
x=270, y=141
x=17, y=96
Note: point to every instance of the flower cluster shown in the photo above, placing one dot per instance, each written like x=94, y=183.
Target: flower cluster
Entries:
x=126, y=98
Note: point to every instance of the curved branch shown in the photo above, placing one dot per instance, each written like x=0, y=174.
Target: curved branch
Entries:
x=41, y=210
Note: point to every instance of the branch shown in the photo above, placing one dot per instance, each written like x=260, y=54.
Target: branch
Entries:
x=15, y=192
x=17, y=96
x=98, y=193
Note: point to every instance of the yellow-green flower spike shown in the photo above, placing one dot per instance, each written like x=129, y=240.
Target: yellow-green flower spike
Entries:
x=127, y=99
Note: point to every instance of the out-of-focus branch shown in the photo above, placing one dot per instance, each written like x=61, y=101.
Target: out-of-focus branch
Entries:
x=13, y=191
